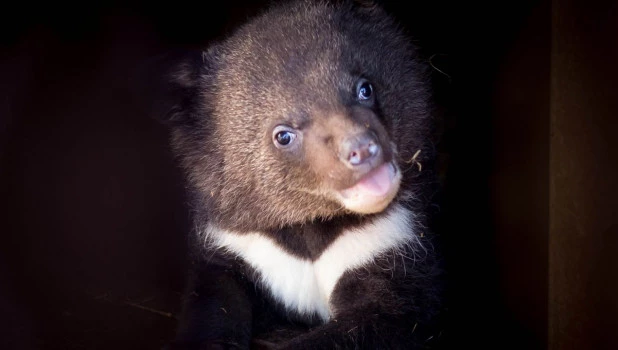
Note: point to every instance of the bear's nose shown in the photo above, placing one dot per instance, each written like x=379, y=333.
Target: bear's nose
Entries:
x=360, y=149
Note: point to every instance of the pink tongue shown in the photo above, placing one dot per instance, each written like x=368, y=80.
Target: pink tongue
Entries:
x=376, y=183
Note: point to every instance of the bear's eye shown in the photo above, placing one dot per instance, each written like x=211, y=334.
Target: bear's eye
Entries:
x=283, y=136
x=364, y=90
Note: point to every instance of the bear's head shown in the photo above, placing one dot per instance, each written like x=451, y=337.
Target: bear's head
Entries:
x=319, y=113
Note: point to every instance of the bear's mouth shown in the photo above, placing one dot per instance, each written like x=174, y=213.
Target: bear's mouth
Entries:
x=374, y=191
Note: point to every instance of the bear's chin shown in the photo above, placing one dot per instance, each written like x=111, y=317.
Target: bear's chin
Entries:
x=373, y=192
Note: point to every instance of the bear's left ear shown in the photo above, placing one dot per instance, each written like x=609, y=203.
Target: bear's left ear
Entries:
x=168, y=86
x=371, y=8
x=369, y=4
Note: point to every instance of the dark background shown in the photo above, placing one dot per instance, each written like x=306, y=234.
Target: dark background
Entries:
x=92, y=211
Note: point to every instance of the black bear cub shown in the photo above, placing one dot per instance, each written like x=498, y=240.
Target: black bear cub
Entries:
x=305, y=140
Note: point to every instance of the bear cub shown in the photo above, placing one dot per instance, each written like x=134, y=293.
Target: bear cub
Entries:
x=305, y=140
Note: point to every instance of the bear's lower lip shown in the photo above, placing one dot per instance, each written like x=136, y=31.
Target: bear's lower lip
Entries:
x=373, y=192
x=376, y=183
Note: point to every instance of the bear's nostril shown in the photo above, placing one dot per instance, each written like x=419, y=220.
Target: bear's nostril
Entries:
x=355, y=158
x=373, y=149
x=359, y=150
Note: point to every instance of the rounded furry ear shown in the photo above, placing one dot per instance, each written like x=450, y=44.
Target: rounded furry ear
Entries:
x=167, y=86
x=371, y=8
x=367, y=4
x=182, y=86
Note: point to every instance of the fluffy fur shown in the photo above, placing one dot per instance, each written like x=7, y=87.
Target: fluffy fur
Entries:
x=321, y=242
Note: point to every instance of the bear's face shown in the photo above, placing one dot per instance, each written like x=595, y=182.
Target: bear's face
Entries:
x=302, y=119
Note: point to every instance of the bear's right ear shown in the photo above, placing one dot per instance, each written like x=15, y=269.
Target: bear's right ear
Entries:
x=168, y=87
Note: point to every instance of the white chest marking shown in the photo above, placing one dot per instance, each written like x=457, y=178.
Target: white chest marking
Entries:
x=304, y=285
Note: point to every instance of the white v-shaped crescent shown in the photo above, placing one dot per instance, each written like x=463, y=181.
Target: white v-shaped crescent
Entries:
x=304, y=285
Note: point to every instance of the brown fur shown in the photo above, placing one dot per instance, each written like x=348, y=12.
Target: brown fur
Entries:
x=230, y=157
x=299, y=65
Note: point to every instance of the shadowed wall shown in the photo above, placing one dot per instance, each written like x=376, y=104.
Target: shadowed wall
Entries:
x=93, y=219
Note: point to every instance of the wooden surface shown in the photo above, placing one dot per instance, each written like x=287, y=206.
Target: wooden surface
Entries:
x=583, y=237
